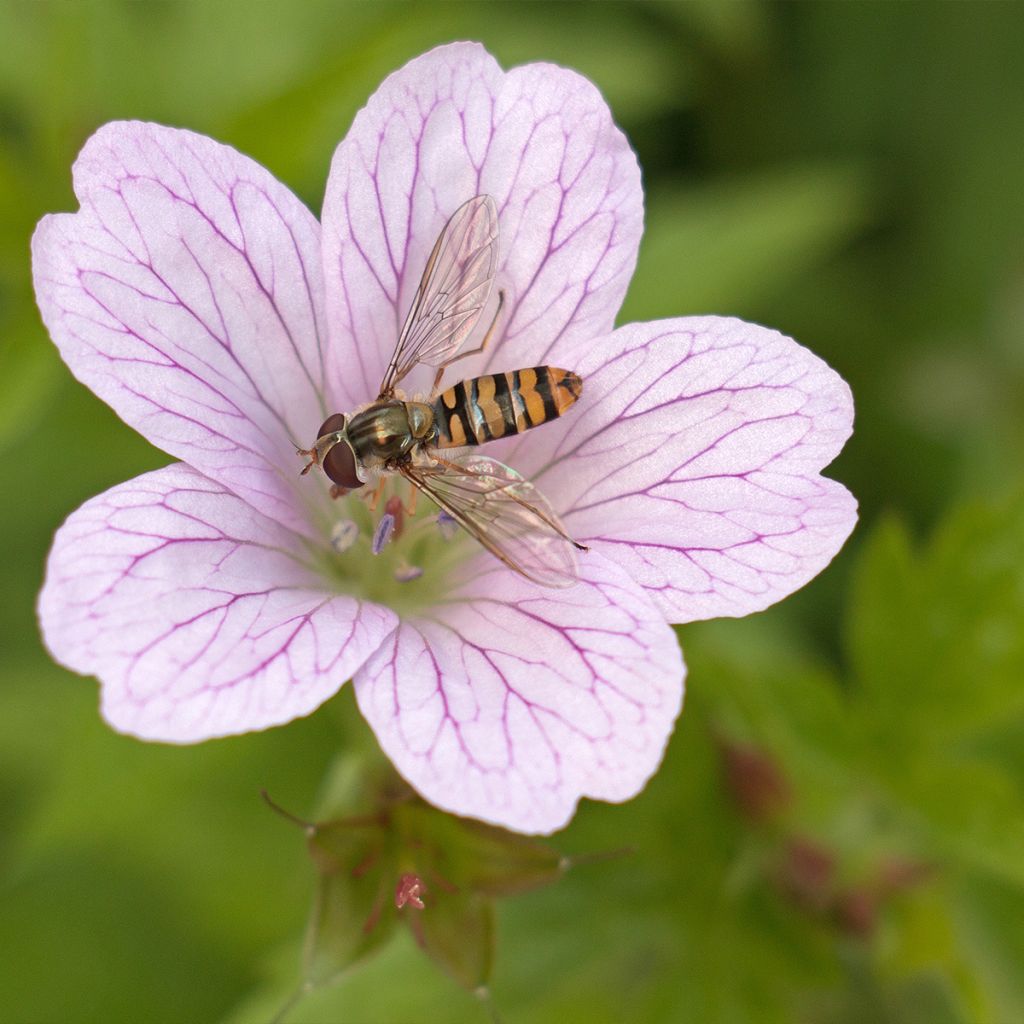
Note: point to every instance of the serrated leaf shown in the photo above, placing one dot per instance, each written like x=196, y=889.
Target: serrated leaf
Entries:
x=936, y=638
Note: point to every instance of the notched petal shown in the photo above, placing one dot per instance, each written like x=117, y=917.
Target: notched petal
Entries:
x=187, y=292
x=694, y=461
x=450, y=125
x=512, y=701
x=195, y=612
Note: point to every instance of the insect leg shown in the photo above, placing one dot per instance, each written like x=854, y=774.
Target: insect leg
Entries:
x=480, y=349
x=374, y=497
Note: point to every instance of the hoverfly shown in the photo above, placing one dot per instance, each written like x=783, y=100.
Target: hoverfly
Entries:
x=392, y=435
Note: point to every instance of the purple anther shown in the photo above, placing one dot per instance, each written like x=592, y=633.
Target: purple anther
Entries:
x=447, y=525
x=383, y=532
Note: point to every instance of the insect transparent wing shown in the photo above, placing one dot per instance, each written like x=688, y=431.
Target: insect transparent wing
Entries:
x=505, y=513
x=452, y=292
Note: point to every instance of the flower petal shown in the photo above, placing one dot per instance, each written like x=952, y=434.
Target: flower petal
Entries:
x=187, y=292
x=511, y=702
x=193, y=611
x=446, y=127
x=693, y=461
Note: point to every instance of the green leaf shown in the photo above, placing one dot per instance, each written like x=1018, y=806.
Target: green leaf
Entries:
x=936, y=642
x=938, y=637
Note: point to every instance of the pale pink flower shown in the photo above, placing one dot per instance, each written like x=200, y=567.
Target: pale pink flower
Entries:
x=224, y=593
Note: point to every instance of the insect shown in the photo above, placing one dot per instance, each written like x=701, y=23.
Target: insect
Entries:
x=393, y=435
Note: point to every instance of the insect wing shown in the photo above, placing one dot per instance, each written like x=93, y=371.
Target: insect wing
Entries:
x=454, y=289
x=505, y=513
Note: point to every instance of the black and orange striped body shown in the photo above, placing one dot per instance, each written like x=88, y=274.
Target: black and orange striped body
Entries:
x=499, y=404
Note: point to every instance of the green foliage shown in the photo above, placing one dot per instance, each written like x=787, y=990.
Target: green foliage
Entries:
x=752, y=236
x=902, y=769
x=836, y=832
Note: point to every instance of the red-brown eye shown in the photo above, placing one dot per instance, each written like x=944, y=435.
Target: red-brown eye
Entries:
x=336, y=421
x=340, y=462
x=340, y=466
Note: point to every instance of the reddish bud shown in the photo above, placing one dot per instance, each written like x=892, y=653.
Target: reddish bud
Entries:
x=755, y=780
x=857, y=911
x=410, y=889
x=806, y=875
x=896, y=875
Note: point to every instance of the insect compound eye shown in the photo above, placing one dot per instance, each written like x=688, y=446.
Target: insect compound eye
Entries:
x=340, y=461
x=336, y=421
x=340, y=466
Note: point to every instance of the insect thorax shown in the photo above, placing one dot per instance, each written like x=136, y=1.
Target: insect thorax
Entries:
x=389, y=430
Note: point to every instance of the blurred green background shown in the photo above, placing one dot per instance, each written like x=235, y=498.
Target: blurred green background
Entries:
x=837, y=834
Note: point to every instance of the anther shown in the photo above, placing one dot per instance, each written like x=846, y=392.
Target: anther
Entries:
x=447, y=525
x=344, y=534
x=383, y=532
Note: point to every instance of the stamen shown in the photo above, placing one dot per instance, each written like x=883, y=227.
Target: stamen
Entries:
x=344, y=534
x=447, y=525
x=408, y=573
x=411, y=890
x=383, y=532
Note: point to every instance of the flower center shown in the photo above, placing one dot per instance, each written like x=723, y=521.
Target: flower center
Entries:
x=401, y=554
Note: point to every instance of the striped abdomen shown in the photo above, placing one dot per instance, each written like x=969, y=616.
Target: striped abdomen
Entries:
x=486, y=408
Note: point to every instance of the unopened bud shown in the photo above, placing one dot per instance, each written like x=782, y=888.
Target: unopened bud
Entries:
x=755, y=780
x=857, y=911
x=807, y=874
x=897, y=874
